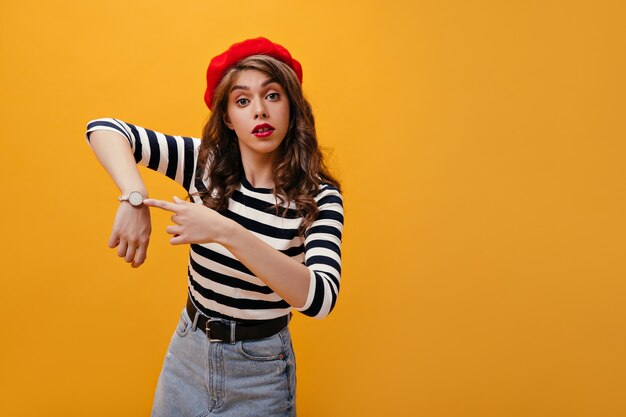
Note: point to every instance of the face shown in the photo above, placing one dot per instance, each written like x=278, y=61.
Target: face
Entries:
x=258, y=112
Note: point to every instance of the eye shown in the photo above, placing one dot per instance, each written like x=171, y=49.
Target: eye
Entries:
x=242, y=101
x=272, y=96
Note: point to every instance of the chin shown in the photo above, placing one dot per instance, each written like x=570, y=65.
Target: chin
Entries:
x=266, y=147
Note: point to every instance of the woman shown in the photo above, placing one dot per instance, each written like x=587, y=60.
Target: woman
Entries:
x=264, y=228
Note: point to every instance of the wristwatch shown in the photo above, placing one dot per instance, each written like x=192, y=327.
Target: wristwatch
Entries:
x=135, y=198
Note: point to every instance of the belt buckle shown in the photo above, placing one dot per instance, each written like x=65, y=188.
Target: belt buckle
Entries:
x=208, y=329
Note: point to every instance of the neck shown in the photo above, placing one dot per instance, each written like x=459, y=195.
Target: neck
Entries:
x=258, y=170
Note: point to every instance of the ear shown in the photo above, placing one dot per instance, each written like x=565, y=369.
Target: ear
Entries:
x=227, y=122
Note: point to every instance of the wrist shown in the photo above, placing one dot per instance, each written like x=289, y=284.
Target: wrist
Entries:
x=230, y=233
x=134, y=198
x=139, y=188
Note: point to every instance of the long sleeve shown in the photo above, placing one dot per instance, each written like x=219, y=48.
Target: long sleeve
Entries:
x=322, y=246
x=173, y=156
x=219, y=284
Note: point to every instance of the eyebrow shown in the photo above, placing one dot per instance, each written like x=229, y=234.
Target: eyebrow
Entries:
x=245, y=87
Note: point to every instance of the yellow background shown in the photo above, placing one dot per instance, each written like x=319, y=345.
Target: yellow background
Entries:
x=481, y=146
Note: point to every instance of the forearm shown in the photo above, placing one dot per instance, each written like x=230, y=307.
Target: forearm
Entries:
x=131, y=228
x=290, y=279
x=115, y=155
x=287, y=277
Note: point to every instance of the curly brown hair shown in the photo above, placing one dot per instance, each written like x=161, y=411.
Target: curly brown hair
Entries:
x=300, y=169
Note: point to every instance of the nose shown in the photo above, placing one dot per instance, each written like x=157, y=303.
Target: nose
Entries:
x=260, y=111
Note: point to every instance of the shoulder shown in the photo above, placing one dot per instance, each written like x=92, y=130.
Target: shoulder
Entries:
x=328, y=194
x=330, y=216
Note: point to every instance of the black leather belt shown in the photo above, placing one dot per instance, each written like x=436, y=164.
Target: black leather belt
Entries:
x=220, y=330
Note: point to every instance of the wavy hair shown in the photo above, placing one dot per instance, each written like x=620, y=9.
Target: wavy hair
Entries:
x=298, y=171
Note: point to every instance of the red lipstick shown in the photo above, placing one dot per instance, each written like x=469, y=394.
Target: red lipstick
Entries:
x=263, y=130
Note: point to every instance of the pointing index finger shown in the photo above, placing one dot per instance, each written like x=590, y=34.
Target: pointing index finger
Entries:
x=162, y=204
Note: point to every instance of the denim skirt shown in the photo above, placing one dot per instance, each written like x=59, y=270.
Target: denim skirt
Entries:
x=246, y=378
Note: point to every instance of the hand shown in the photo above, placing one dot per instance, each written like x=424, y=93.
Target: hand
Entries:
x=131, y=233
x=195, y=223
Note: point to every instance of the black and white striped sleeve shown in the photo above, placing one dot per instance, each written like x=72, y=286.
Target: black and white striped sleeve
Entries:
x=173, y=156
x=322, y=245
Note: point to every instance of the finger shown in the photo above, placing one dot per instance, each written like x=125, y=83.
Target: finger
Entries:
x=180, y=200
x=121, y=249
x=130, y=253
x=114, y=240
x=164, y=205
x=174, y=230
x=178, y=240
x=140, y=256
x=174, y=218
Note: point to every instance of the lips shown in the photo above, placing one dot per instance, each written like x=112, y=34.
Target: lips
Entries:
x=263, y=130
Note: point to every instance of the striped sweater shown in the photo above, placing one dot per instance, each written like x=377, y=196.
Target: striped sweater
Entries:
x=220, y=285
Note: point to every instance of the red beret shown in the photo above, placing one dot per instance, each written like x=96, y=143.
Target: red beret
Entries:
x=239, y=51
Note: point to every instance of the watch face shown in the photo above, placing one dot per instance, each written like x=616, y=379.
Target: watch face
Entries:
x=135, y=198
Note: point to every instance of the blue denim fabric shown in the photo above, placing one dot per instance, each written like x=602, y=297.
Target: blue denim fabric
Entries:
x=248, y=378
